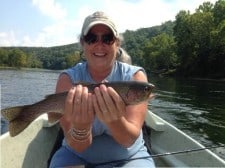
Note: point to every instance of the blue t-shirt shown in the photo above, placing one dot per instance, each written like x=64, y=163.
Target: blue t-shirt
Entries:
x=120, y=72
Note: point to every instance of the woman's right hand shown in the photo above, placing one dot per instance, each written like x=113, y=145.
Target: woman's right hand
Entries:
x=78, y=118
x=78, y=108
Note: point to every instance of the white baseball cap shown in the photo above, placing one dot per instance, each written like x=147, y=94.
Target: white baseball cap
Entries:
x=98, y=18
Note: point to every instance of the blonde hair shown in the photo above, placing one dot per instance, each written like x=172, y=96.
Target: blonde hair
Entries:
x=123, y=56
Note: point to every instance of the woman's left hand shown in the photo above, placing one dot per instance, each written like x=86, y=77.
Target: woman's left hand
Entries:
x=108, y=105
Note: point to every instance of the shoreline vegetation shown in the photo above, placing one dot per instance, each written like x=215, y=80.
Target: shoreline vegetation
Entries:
x=28, y=69
x=192, y=46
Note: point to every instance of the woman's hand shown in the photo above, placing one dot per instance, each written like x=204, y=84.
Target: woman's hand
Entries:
x=78, y=108
x=108, y=105
x=124, y=122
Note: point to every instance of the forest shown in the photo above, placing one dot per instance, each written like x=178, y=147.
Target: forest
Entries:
x=193, y=45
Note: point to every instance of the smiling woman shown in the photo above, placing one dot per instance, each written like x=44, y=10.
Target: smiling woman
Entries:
x=99, y=127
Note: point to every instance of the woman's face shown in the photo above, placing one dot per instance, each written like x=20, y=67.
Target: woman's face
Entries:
x=100, y=47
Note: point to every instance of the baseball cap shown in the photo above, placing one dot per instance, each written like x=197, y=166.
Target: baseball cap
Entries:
x=98, y=18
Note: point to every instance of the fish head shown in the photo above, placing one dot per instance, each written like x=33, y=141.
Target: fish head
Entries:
x=137, y=92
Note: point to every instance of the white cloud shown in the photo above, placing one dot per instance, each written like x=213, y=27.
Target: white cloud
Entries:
x=50, y=8
x=26, y=41
x=8, y=39
x=60, y=33
x=127, y=14
x=57, y=34
x=146, y=13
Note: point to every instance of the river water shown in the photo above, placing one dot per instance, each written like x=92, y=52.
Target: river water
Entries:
x=197, y=107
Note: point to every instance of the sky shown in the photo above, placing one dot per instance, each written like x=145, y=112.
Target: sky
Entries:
x=47, y=23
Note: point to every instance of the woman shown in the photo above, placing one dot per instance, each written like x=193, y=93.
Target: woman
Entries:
x=99, y=128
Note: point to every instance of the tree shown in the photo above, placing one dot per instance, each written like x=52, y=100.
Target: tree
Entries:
x=217, y=56
x=205, y=7
x=72, y=59
x=33, y=61
x=185, y=47
x=17, y=58
x=3, y=56
x=202, y=24
x=218, y=11
x=192, y=34
x=160, y=53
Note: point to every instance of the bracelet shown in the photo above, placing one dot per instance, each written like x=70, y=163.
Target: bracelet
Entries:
x=79, y=135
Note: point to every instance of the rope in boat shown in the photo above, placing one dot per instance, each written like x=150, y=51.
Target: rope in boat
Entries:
x=154, y=156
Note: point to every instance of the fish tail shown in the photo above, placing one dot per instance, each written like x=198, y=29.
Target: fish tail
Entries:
x=15, y=116
x=12, y=112
x=17, y=126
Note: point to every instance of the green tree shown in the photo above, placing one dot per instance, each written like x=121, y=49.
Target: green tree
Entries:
x=183, y=34
x=192, y=34
x=217, y=56
x=33, y=61
x=205, y=7
x=17, y=58
x=3, y=56
x=160, y=53
x=218, y=11
x=202, y=24
x=72, y=59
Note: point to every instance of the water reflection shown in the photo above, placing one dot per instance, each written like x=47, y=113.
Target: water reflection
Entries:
x=195, y=106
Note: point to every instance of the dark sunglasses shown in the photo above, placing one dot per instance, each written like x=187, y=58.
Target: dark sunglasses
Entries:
x=91, y=38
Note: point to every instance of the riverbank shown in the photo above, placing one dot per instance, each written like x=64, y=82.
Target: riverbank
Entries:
x=29, y=69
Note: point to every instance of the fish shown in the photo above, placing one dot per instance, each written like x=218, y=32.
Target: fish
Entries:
x=20, y=117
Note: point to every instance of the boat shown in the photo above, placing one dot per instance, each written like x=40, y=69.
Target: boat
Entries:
x=33, y=146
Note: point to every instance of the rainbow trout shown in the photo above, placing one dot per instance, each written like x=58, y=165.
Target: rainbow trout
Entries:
x=19, y=117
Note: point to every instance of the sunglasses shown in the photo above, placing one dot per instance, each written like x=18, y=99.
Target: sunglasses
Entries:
x=91, y=38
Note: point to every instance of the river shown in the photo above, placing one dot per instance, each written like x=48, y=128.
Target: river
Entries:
x=197, y=107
